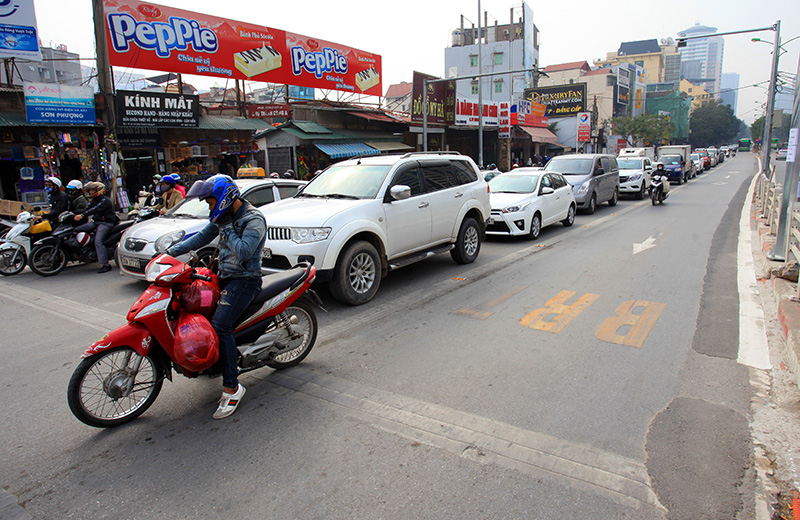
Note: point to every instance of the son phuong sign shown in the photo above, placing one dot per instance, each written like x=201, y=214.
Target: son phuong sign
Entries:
x=560, y=100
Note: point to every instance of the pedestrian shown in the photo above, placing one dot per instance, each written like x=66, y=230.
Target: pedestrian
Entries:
x=242, y=232
x=59, y=202
x=77, y=202
x=101, y=210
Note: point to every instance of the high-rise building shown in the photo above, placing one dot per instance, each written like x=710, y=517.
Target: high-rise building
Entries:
x=729, y=94
x=701, y=59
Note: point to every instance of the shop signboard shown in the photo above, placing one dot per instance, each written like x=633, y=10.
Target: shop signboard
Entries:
x=56, y=104
x=441, y=100
x=467, y=113
x=139, y=137
x=150, y=36
x=157, y=109
x=584, y=127
x=559, y=100
x=18, y=31
x=504, y=121
x=273, y=110
x=623, y=95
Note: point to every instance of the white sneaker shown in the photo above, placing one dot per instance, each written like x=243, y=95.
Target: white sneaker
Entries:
x=229, y=402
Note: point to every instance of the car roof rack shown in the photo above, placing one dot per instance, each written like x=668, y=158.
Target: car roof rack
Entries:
x=409, y=154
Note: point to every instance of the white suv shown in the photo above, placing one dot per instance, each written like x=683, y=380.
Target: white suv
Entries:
x=363, y=217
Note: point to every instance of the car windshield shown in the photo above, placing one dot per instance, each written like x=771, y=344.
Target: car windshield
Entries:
x=190, y=208
x=629, y=164
x=695, y=157
x=513, y=183
x=569, y=166
x=356, y=181
x=671, y=160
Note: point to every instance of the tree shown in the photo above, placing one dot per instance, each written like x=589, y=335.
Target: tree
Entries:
x=650, y=128
x=757, y=128
x=713, y=124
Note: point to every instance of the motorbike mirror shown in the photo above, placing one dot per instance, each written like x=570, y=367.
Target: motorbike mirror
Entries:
x=193, y=256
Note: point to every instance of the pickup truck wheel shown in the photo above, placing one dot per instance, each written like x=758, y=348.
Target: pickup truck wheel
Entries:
x=357, y=275
x=468, y=243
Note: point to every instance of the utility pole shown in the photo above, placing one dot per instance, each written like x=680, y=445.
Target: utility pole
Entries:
x=103, y=68
x=480, y=92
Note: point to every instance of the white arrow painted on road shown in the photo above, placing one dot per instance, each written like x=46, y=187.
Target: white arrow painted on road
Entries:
x=647, y=244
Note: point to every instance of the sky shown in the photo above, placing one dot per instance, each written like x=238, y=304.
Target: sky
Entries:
x=412, y=35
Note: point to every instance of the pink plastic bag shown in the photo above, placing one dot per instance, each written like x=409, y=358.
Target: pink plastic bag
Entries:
x=196, y=342
x=200, y=297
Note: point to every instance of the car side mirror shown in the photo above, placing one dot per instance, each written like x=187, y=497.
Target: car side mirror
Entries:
x=400, y=192
x=546, y=190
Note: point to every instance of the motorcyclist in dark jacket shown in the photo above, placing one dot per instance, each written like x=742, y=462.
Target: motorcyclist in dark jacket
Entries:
x=103, y=219
x=59, y=202
x=77, y=202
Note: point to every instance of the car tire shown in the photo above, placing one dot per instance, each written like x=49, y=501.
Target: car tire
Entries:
x=468, y=242
x=614, y=198
x=357, y=275
x=640, y=195
x=570, y=216
x=590, y=209
x=536, y=226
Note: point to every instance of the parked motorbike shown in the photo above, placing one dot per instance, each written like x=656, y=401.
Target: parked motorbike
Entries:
x=659, y=187
x=15, y=247
x=122, y=373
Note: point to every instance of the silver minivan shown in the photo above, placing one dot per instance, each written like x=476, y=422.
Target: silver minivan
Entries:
x=594, y=178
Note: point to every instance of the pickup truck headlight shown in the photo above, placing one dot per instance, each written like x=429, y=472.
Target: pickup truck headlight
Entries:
x=635, y=177
x=168, y=240
x=308, y=235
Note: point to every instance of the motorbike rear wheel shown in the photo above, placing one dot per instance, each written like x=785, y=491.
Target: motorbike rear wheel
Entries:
x=47, y=260
x=104, y=391
x=304, y=335
x=12, y=261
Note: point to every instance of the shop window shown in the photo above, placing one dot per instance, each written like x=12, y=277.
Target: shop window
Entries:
x=498, y=87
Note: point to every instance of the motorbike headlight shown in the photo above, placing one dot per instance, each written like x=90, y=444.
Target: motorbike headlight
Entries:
x=583, y=189
x=154, y=269
x=308, y=235
x=168, y=240
x=517, y=208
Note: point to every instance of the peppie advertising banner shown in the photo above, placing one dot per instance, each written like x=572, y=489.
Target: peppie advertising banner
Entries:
x=150, y=36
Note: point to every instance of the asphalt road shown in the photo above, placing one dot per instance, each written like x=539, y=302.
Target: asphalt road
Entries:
x=592, y=373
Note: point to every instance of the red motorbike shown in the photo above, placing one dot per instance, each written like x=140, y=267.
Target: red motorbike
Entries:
x=121, y=374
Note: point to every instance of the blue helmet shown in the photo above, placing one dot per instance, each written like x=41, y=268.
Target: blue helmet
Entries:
x=219, y=186
x=169, y=179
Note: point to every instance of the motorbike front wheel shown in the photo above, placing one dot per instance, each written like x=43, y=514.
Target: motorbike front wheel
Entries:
x=47, y=260
x=654, y=196
x=300, y=340
x=108, y=389
x=12, y=261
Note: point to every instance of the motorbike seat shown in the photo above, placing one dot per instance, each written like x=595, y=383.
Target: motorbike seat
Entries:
x=274, y=284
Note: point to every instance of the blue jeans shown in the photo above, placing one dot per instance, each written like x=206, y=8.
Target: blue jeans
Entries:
x=235, y=295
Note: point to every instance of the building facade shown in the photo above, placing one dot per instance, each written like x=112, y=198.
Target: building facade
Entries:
x=701, y=59
x=729, y=94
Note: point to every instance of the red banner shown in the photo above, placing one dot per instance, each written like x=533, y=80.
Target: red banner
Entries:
x=259, y=111
x=149, y=36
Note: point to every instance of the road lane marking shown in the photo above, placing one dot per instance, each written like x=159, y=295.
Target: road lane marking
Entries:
x=627, y=327
x=460, y=432
x=647, y=244
x=753, y=346
x=481, y=312
x=564, y=313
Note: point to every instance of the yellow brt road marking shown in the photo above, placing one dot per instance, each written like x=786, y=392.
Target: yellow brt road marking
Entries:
x=630, y=327
x=556, y=314
x=481, y=312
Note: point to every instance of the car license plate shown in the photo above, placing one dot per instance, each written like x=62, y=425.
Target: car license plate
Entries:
x=129, y=262
x=267, y=253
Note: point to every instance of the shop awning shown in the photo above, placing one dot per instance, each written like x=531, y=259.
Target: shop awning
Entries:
x=231, y=123
x=375, y=116
x=539, y=135
x=392, y=146
x=339, y=150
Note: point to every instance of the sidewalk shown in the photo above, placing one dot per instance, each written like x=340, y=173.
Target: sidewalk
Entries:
x=775, y=408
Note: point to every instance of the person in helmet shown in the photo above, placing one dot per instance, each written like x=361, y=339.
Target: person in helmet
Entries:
x=170, y=197
x=77, y=202
x=288, y=174
x=101, y=211
x=154, y=184
x=179, y=184
x=242, y=232
x=59, y=202
x=274, y=175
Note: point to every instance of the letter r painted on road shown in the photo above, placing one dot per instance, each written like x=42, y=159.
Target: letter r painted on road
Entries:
x=564, y=313
x=615, y=329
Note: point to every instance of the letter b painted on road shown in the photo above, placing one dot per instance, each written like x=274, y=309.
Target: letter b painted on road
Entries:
x=629, y=327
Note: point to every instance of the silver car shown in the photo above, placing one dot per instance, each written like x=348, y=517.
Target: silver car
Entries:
x=594, y=178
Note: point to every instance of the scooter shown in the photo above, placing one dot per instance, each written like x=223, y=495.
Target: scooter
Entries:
x=122, y=373
x=659, y=187
x=50, y=255
x=15, y=246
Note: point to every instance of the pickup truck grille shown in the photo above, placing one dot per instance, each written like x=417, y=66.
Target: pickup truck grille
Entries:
x=279, y=233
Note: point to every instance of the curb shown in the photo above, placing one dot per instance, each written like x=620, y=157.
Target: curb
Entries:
x=10, y=508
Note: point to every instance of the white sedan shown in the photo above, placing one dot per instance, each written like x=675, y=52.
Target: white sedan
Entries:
x=525, y=200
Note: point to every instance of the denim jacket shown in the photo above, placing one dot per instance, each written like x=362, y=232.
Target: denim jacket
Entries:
x=241, y=243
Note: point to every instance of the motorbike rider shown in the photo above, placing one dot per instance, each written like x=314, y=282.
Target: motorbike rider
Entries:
x=242, y=232
x=170, y=196
x=179, y=184
x=77, y=202
x=59, y=202
x=103, y=219
x=288, y=174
